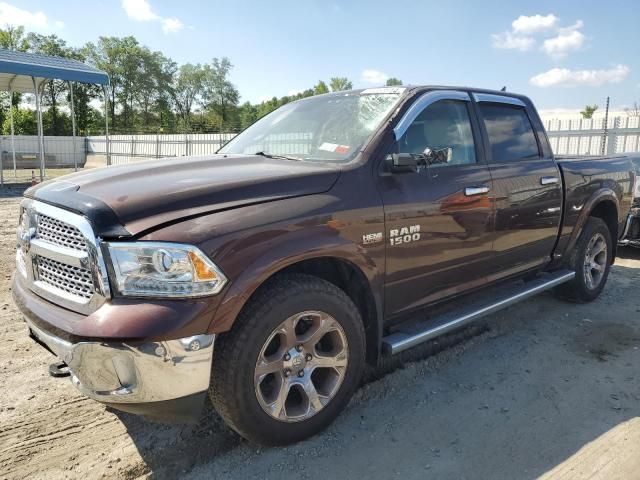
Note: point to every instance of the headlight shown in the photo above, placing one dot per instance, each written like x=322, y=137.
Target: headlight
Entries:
x=156, y=269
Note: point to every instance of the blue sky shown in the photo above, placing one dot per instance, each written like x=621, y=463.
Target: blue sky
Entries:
x=563, y=54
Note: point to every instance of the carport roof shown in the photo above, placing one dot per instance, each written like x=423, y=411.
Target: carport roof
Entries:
x=17, y=68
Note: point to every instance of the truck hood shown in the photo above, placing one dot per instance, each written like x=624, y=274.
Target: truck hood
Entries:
x=129, y=199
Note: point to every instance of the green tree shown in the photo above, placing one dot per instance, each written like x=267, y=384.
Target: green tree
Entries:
x=54, y=91
x=248, y=115
x=123, y=60
x=186, y=90
x=391, y=82
x=83, y=95
x=105, y=55
x=220, y=95
x=340, y=83
x=12, y=38
x=267, y=107
x=588, y=111
x=153, y=83
x=24, y=122
x=320, y=88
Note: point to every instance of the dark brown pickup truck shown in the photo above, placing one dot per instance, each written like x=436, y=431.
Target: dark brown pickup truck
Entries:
x=267, y=275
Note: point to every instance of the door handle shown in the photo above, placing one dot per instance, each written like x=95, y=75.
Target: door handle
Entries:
x=548, y=180
x=480, y=190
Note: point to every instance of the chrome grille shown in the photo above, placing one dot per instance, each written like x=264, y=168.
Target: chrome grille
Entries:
x=72, y=280
x=59, y=257
x=57, y=232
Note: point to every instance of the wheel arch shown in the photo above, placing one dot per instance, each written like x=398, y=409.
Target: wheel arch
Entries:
x=602, y=204
x=357, y=277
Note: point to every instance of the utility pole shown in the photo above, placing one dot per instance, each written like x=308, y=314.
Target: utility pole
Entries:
x=605, y=130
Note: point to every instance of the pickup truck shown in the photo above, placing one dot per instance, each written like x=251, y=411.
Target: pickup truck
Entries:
x=318, y=240
x=631, y=235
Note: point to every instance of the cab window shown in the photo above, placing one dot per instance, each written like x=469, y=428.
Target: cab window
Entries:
x=443, y=132
x=510, y=133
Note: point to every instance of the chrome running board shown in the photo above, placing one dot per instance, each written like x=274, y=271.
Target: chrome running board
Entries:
x=399, y=340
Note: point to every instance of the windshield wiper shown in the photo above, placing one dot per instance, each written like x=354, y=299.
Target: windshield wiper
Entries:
x=283, y=157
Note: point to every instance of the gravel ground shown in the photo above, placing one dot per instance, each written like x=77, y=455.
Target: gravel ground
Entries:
x=544, y=388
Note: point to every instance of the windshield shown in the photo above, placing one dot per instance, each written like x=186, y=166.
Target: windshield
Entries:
x=323, y=128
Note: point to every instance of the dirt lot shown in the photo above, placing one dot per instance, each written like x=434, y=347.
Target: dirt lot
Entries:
x=544, y=388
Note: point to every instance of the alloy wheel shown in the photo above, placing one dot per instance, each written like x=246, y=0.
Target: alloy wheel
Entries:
x=301, y=366
x=595, y=261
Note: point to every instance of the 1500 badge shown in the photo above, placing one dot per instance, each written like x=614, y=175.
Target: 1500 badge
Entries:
x=398, y=236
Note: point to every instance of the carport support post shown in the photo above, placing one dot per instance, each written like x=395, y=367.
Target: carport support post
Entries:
x=73, y=127
x=13, y=145
x=106, y=125
x=36, y=90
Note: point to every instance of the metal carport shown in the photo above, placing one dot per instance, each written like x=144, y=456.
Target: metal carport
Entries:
x=28, y=72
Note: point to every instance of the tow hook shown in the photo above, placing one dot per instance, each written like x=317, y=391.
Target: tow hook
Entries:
x=59, y=369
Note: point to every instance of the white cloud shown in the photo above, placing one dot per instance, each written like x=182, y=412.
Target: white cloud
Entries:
x=510, y=41
x=534, y=23
x=563, y=77
x=569, y=39
x=374, y=76
x=172, y=25
x=37, y=21
x=526, y=31
x=141, y=11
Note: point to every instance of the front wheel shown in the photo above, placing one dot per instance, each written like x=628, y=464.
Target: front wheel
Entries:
x=291, y=362
x=591, y=260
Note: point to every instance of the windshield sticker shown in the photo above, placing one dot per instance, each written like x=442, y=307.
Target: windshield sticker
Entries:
x=334, y=147
x=387, y=90
x=328, y=147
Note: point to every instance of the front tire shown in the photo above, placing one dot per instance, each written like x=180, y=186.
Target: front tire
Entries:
x=591, y=260
x=290, y=363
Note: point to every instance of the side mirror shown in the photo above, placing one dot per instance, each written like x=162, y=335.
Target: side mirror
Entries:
x=401, y=162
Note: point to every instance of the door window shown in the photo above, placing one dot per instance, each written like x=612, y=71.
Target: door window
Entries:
x=510, y=133
x=442, y=132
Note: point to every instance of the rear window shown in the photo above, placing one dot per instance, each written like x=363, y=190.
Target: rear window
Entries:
x=510, y=133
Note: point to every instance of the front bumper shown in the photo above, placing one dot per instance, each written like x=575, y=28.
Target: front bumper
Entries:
x=166, y=380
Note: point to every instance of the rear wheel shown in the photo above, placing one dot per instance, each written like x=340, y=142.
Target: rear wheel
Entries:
x=291, y=362
x=591, y=260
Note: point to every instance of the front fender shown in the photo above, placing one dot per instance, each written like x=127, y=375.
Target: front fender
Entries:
x=287, y=250
x=252, y=243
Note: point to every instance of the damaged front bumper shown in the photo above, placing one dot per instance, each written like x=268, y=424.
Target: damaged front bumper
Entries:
x=165, y=380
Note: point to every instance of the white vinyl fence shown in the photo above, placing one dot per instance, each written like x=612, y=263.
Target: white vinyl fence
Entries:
x=59, y=151
x=580, y=136
x=568, y=137
x=575, y=136
x=124, y=148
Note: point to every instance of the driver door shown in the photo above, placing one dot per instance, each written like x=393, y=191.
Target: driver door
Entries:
x=438, y=216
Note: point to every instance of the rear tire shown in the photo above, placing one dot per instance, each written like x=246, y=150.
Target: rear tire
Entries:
x=291, y=362
x=591, y=260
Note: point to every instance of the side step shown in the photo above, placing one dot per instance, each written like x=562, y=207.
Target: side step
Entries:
x=402, y=340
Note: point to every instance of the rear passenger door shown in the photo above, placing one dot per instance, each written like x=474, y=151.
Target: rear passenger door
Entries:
x=527, y=188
